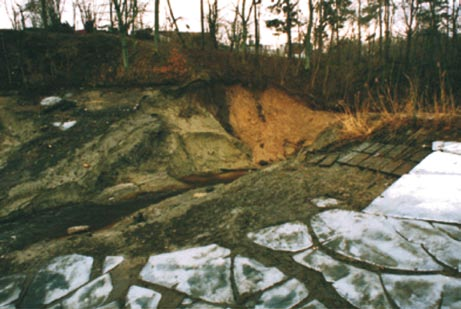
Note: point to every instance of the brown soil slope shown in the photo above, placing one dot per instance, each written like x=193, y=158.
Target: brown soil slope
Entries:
x=273, y=124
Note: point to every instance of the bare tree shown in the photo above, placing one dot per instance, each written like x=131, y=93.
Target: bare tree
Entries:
x=126, y=12
x=157, y=24
x=213, y=22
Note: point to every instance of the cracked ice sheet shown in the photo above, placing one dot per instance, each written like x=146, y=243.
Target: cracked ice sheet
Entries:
x=437, y=243
x=439, y=163
x=202, y=272
x=371, y=239
x=451, y=147
x=142, y=298
x=423, y=291
x=286, y=295
x=360, y=287
x=10, y=289
x=252, y=276
x=290, y=237
x=424, y=197
x=61, y=276
x=91, y=295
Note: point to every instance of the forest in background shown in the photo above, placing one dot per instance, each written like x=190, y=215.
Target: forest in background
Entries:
x=382, y=55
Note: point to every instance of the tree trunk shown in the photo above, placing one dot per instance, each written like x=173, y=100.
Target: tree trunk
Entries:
x=157, y=24
x=44, y=13
x=256, y=22
x=307, y=38
x=288, y=25
x=202, y=23
x=124, y=43
x=183, y=44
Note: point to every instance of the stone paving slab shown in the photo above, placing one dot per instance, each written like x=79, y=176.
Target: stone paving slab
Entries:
x=424, y=197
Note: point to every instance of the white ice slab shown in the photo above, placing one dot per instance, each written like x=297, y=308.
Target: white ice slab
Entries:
x=315, y=304
x=64, y=126
x=286, y=295
x=10, y=289
x=423, y=291
x=142, y=298
x=445, y=249
x=371, y=239
x=439, y=163
x=252, y=276
x=290, y=237
x=50, y=101
x=322, y=202
x=360, y=287
x=61, y=276
x=425, y=197
x=110, y=262
x=91, y=295
x=202, y=272
x=451, y=147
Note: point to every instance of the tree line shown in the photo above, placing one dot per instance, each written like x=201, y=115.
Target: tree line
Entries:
x=383, y=42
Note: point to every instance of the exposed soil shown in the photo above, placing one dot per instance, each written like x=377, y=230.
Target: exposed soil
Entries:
x=274, y=124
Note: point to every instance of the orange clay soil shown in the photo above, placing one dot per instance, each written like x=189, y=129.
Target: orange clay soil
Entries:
x=273, y=124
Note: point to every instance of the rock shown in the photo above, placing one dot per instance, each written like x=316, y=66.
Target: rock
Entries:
x=185, y=271
x=78, y=229
x=118, y=192
x=10, y=289
x=323, y=202
x=432, y=197
x=61, y=276
x=64, y=126
x=91, y=295
x=290, y=237
x=251, y=276
x=286, y=295
x=142, y=298
x=110, y=262
x=50, y=101
x=371, y=239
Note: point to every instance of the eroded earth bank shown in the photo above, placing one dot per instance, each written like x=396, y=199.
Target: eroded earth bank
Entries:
x=212, y=197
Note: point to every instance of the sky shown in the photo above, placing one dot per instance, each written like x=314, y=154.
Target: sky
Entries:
x=187, y=11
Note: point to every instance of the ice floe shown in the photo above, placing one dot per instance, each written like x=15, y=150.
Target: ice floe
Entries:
x=424, y=197
x=360, y=287
x=61, y=276
x=202, y=272
x=439, y=163
x=451, y=147
x=290, y=237
x=110, y=262
x=142, y=298
x=252, y=276
x=91, y=295
x=371, y=239
x=423, y=291
x=10, y=289
x=287, y=295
